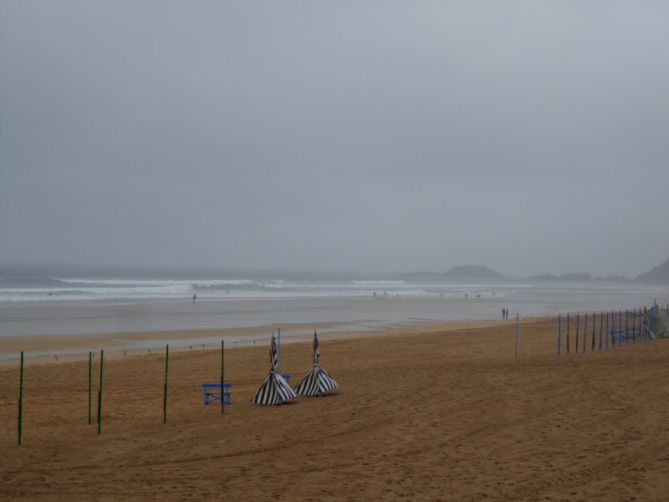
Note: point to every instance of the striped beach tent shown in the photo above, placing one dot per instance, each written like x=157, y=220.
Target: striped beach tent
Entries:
x=317, y=382
x=275, y=390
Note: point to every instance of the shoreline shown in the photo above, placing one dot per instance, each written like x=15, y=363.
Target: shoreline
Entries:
x=90, y=318
x=45, y=349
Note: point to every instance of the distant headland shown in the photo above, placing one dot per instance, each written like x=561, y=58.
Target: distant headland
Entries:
x=657, y=275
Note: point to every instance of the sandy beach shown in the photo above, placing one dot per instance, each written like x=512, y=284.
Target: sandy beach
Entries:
x=434, y=413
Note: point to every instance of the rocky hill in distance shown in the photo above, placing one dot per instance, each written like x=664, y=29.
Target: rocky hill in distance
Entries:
x=658, y=275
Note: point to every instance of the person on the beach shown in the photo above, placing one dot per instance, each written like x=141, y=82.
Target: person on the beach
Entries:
x=194, y=297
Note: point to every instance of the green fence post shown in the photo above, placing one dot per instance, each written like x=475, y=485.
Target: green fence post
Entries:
x=167, y=358
x=102, y=360
x=516, y=337
x=20, y=424
x=90, y=384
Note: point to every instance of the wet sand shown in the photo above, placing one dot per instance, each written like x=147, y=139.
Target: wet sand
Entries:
x=48, y=348
x=430, y=414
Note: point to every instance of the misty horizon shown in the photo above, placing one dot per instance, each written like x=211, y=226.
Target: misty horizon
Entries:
x=43, y=270
x=370, y=138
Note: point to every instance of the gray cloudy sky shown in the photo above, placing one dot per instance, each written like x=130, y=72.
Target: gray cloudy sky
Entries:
x=342, y=135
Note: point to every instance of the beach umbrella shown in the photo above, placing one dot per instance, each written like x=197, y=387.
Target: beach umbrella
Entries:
x=317, y=382
x=275, y=390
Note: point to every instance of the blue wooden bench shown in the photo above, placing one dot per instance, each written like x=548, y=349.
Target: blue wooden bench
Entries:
x=211, y=392
x=632, y=333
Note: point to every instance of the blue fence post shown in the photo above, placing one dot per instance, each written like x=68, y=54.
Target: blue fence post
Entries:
x=601, y=326
x=594, y=335
x=585, y=333
x=626, y=325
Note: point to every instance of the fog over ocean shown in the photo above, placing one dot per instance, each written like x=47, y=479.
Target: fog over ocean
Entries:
x=53, y=300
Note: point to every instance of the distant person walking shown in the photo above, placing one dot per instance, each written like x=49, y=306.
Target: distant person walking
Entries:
x=194, y=297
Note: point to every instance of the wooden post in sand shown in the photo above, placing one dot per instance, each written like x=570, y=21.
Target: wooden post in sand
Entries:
x=90, y=383
x=601, y=326
x=568, y=324
x=607, y=330
x=222, y=377
x=559, y=334
x=585, y=333
x=627, y=316
x=613, y=329
x=278, y=349
x=578, y=327
x=20, y=418
x=167, y=360
x=594, y=327
x=102, y=360
x=515, y=349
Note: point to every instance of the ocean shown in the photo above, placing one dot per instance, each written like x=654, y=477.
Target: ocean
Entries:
x=62, y=300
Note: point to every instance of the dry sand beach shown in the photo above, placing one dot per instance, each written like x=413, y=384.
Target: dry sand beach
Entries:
x=432, y=414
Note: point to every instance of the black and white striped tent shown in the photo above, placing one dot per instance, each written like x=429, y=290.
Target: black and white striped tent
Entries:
x=275, y=390
x=317, y=382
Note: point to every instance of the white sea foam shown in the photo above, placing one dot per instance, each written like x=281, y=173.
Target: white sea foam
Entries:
x=160, y=282
x=120, y=289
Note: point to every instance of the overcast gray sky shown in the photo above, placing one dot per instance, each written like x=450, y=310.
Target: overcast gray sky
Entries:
x=360, y=136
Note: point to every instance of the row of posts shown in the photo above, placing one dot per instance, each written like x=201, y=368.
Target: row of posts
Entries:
x=614, y=328
x=99, y=393
x=610, y=328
